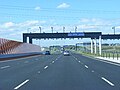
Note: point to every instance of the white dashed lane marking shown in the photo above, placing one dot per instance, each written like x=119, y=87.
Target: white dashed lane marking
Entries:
x=45, y=67
x=76, y=58
x=86, y=66
x=38, y=71
x=21, y=84
x=52, y=61
x=110, y=83
x=93, y=71
x=26, y=61
x=4, y=67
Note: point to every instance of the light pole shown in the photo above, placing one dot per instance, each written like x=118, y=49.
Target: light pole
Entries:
x=40, y=29
x=28, y=30
x=63, y=29
x=113, y=29
x=52, y=29
x=75, y=29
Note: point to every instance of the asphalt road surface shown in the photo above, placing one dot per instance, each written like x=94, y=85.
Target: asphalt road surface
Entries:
x=59, y=72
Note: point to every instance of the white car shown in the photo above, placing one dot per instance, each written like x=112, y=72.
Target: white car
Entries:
x=66, y=53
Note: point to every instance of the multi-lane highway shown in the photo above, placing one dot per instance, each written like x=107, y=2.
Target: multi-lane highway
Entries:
x=59, y=72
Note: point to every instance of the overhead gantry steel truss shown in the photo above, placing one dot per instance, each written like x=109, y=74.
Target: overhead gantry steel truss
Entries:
x=93, y=35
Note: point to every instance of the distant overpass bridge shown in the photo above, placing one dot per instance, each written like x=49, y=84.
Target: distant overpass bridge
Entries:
x=93, y=35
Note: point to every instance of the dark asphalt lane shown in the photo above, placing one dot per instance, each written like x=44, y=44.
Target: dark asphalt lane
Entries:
x=110, y=71
x=20, y=70
x=58, y=72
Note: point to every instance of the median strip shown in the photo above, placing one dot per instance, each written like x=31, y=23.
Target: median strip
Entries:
x=110, y=83
x=21, y=84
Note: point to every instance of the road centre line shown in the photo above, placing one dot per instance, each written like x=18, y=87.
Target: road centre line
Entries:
x=4, y=67
x=45, y=67
x=110, y=83
x=21, y=84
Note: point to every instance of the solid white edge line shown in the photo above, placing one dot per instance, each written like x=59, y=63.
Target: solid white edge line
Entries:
x=86, y=66
x=109, y=62
x=21, y=84
x=45, y=67
x=110, y=83
x=4, y=67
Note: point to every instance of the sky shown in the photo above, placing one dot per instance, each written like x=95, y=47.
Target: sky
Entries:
x=25, y=16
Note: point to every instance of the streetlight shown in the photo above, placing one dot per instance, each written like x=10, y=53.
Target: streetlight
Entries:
x=113, y=29
x=52, y=29
x=28, y=30
x=40, y=29
x=63, y=29
x=75, y=29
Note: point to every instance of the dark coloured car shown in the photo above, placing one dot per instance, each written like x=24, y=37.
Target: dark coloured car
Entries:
x=47, y=52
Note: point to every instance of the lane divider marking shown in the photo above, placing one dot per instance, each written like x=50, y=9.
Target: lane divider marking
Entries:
x=110, y=83
x=52, y=61
x=86, y=66
x=93, y=71
x=4, y=67
x=38, y=71
x=45, y=67
x=79, y=61
x=21, y=84
x=37, y=59
x=26, y=61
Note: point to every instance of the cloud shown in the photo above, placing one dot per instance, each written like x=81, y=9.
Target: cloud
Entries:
x=37, y=8
x=63, y=5
x=84, y=20
x=14, y=30
x=8, y=24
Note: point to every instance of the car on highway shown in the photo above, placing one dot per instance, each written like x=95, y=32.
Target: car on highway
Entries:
x=47, y=52
x=66, y=53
